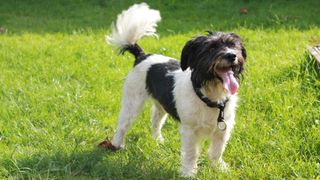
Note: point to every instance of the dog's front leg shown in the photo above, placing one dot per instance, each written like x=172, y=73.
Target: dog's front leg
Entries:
x=189, y=152
x=216, y=149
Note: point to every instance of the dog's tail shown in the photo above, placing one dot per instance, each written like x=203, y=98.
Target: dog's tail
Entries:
x=131, y=25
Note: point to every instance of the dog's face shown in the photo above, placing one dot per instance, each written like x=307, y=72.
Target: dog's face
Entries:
x=215, y=56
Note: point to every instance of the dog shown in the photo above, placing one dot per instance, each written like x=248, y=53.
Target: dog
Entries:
x=200, y=91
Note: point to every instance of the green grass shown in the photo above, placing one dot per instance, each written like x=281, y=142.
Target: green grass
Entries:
x=60, y=89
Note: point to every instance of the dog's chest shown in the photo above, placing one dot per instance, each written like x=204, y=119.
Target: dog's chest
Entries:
x=196, y=114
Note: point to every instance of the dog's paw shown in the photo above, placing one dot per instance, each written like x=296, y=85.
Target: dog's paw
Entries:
x=188, y=171
x=159, y=138
x=221, y=166
x=224, y=167
x=188, y=174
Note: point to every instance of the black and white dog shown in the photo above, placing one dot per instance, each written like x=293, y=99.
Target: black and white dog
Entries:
x=200, y=91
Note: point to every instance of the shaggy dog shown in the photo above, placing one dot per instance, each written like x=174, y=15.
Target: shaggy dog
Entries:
x=200, y=91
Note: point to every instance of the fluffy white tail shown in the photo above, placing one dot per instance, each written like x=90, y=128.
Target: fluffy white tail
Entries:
x=132, y=24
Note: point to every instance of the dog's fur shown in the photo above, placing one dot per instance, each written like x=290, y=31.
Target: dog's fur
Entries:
x=212, y=62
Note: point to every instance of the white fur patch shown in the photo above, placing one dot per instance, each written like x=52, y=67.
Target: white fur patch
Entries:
x=132, y=24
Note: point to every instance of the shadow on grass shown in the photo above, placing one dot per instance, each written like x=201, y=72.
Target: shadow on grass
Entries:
x=95, y=164
x=68, y=16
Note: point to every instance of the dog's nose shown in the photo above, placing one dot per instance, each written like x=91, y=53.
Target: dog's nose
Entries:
x=230, y=56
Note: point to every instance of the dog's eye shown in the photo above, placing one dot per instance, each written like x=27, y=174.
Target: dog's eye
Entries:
x=214, y=45
x=231, y=44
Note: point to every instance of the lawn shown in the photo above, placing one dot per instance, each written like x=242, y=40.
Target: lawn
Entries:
x=60, y=89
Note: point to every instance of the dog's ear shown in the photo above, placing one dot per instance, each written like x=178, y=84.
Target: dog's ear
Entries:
x=244, y=53
x=190, y=53
x=194, y=49
x=187, y=55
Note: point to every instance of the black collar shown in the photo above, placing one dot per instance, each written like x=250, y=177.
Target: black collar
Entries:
x=213, y=104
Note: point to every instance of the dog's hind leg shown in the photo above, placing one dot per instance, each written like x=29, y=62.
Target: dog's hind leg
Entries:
x=159, y=116
x=134, y=96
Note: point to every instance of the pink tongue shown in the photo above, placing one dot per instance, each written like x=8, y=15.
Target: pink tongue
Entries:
x=229, y=82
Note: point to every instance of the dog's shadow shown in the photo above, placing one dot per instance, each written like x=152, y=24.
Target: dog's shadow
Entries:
x=93, y=164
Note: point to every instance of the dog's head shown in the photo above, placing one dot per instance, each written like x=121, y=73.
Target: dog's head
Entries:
x=215, y=56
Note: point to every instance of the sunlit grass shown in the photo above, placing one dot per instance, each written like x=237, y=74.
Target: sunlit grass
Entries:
x=60, y=89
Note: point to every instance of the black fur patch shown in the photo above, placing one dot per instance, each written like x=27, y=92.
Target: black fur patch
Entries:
x=140, y=59
x=160, y=85
x=137, y=51
x=203, y=52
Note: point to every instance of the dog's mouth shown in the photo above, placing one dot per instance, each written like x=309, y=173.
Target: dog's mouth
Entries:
x=229, y=81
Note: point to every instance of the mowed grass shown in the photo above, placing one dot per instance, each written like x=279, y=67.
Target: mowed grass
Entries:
x=60, y=90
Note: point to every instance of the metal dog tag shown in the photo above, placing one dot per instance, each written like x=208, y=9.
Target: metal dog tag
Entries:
x=222, y=125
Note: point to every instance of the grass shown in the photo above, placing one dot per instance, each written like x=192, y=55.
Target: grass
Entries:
x=60, y=88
